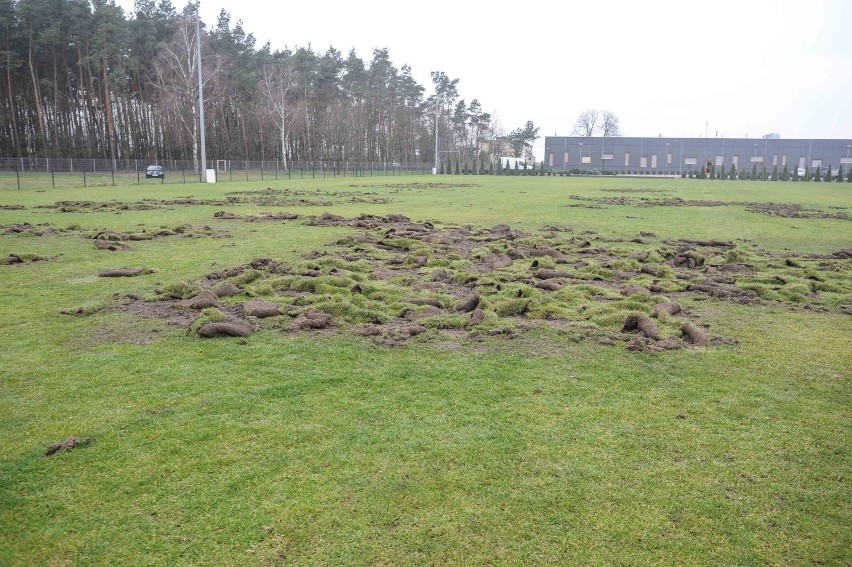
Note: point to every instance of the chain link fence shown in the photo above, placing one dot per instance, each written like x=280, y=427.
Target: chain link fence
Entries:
x=56, y=173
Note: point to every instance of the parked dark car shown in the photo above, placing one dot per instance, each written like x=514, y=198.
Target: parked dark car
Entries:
x=155, y=171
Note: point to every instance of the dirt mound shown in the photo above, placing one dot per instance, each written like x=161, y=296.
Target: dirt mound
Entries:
x=260, y=217
x=223, y=329
x=643, y=344
x=550, y=274
x=549, y=285
x=124, y=273
x=261, y=309
x=693, y=334
x=203, y=300
x=710, y=243
x=311, y=320
x=642, y=323
x=469, y=304
x=843, y=254
x=110, y=245
x=670, y=308
x=688, y=259
x=227, y=290
x=67, y=445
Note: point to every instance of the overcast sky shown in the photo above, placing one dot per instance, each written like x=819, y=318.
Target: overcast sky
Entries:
x=676, y=68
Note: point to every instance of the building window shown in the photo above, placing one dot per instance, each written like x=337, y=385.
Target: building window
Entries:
x=756, y=159
x=802, y=162
x=550, y=159
x=643, y=162
x=784, y=160
x=720, y=160
x=626, y=159
x=816, y=163
x=653, y=161
x=775, y=159
x=690, y=161
x=565, y=162
x=669, y=158
x=736, y=161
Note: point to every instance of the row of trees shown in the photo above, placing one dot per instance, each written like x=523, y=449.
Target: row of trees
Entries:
x=83, y=79
x=763, y=174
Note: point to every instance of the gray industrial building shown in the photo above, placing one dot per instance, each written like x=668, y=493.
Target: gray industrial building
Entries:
x=675, y=155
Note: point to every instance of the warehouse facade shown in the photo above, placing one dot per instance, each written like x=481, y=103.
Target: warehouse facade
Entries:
x=677, y=155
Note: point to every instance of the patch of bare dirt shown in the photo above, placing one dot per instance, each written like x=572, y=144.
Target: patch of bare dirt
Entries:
x=394, y=280
x=67, y=445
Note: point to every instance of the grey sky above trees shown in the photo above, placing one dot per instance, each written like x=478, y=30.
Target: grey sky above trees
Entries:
x=663, y=66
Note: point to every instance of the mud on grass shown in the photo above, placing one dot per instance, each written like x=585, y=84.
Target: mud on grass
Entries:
x=268, y=197
x=397, y=281
x=786, y=210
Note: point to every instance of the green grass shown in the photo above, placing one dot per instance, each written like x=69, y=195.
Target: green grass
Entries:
x=327, y=449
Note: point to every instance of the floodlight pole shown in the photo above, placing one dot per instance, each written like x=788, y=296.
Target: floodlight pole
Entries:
x=435, y=171
x=203, y=168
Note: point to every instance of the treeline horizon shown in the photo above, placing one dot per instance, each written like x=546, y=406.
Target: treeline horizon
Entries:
x=85, y=80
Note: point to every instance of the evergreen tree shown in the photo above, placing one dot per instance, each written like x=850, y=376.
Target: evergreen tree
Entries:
x=840, y=174
x=785, y=174
x=817, y=174
x=442, y=168
x=458, y=167
x=490, y=167
x=828, y=176
x=541, y=170
x=499, y=167
x=517, y=168
x=795, y=174
x=774, y=172
x=733, y=174
x=849, y=176
x=754, y=171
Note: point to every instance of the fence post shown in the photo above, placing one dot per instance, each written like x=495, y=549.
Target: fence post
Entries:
x=18, y=177
x=52, y=179
x=276, y=170
x=261, y=170
x=112, y=172
x=84, y=177
x=289, y=169
x=138, y=180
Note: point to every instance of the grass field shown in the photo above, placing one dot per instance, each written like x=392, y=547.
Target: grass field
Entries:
x=538, y=437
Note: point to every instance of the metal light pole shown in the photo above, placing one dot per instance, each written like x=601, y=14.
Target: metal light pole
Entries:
x=581, y=156
x=754, y=159
x=200, y=93
x=668, y=153
x=435, y=169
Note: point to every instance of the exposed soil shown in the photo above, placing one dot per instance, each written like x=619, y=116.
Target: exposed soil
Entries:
x=124, y=273
x=67, y=445
x=13, y=259
x=396, y=280
x=787, y=210
x=224, y=329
